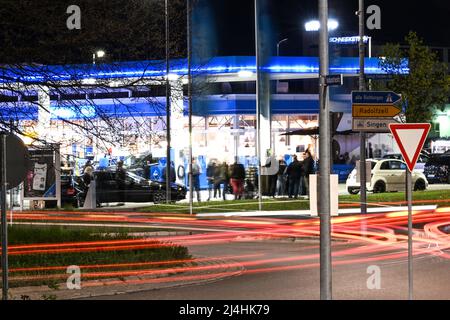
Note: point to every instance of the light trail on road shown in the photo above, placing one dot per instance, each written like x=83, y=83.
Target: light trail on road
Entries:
x=372, y=238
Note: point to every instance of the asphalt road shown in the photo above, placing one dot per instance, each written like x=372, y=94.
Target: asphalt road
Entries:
x=286, y=280
x=275, y=267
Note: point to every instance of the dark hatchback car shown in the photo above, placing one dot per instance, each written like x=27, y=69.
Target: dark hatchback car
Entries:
x=69, y=190
x=137, y=189
x=437, y=169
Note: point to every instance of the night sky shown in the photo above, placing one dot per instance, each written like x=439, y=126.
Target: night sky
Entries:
x=225, y=27
x=430, y=19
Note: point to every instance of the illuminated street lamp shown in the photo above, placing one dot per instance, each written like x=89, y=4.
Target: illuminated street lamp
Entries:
x=314, y=25
x=98, y=55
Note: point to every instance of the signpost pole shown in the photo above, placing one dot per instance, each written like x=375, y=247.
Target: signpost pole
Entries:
x=4, y=217
x=410, y=138
x=362, y=87
x=324, y=204
x=410, y=233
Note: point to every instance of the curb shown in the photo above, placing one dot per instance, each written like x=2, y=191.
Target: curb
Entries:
x=103, y=289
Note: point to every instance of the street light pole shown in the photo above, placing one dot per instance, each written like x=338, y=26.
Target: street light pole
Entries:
x=189, y=61
x=258, y=104
x=168, y=113
x=278, y=45
x=362, y=87
x=325, y=165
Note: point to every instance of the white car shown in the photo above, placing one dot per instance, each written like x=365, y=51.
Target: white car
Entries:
x=387, y=175
x=420, y=165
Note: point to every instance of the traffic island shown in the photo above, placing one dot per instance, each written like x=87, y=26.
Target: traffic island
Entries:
x=200, y=270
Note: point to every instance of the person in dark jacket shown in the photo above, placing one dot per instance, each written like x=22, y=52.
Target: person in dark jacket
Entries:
x=196, y=172
x=237, y=177
x=308, y=168
x=281, y=178
x=272, y=181
x=217, y=180
x=210, y=170
x=224, y=178
x=294, y=172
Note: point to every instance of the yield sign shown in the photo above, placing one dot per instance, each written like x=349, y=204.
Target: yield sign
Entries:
x=410, y=138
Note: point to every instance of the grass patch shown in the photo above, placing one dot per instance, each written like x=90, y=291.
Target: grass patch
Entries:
x=19, y=235
x=231, y=206
x=438, y=197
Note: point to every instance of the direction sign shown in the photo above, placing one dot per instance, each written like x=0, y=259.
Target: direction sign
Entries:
x=375, y=111
x=372, y=125
x=375, y=97
x=410, y=138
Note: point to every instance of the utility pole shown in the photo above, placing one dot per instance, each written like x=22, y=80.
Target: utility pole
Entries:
x=4, y=229
x=325, y=156
x=189, y=61
x=168, y=108
x=264, y=141
x=362, y=87
x=258, y=105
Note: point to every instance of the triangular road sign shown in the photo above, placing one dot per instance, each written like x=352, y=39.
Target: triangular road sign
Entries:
x=410, y=138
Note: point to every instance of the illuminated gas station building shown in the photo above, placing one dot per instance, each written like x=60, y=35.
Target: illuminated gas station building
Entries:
x=224, y=113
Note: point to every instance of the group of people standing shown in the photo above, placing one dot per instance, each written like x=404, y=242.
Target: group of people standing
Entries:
x=293, y=179
x=220, y=176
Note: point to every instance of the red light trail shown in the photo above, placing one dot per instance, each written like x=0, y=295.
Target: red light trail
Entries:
x=378, y=237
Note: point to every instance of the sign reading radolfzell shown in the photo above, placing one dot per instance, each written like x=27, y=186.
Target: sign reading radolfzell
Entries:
x=374, y=111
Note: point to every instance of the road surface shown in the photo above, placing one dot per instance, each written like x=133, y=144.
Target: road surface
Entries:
x=283, y=269
x=432, y=277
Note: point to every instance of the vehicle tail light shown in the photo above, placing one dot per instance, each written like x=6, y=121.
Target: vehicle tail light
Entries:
x=70, y=191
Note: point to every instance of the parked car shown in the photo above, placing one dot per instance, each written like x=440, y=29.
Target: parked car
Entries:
x=70, y=191
x=387, y=175
x=137, y=189
x=437, y=169
x=141, y=165
x=421, y=162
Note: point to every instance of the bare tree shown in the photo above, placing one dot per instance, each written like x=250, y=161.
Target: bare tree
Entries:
x=35, y=38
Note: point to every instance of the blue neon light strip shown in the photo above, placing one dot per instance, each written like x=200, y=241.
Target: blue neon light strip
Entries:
x=217, y=65
x=207, y=106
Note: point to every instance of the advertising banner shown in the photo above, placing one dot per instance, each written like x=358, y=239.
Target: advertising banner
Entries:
x=41, y=175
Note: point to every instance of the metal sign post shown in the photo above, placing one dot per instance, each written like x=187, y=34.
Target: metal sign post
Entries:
x=410, y=138
x=362, y=87
x=410, y=228
x=324, y=204
x=3, y=217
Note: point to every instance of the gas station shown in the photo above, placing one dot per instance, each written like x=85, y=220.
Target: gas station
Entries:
x=223, y=118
